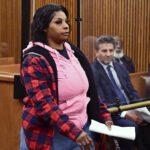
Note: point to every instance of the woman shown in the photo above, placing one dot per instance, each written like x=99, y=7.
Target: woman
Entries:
x=61, y=94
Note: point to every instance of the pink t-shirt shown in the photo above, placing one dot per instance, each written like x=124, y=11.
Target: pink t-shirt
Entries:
x=72, y=85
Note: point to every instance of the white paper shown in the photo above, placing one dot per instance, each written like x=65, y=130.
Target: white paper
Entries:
x=144, y=112
x=116, y=131
x=147, y=79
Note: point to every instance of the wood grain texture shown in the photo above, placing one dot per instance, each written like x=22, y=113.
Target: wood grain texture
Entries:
x=10, y=116
x=7, y=60
x=129, y=19
x=139, y=83
x=10, y=109
x=10, y=29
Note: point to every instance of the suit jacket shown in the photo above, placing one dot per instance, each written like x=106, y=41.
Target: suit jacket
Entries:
x=105, y=87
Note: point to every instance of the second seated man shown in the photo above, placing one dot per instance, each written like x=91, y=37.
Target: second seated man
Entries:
x=113, y=84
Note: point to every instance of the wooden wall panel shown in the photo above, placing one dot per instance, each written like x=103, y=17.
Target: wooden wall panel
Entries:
x=129, y=19
x=71, y=6
x=10, y=28
x=126, y=18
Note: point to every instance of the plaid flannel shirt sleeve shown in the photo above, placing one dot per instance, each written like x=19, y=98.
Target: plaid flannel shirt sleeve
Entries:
x=104, y=114
x=41, y=96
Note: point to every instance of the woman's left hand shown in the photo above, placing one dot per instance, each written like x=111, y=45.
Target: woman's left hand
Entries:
x=108, y=124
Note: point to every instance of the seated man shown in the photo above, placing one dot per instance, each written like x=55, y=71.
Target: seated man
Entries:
x=113, y=83
x=120, y=57
x=147, y=80
x=148, y=88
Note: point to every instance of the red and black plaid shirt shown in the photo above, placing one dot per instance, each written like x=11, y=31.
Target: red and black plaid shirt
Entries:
x=41, y=112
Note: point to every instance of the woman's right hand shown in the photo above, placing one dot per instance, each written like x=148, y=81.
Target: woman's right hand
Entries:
x=84, y=141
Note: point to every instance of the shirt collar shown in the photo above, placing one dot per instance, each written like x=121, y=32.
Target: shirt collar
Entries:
x=104, y=65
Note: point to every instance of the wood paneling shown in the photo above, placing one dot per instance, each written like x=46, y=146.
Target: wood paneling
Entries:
x=10, y=116
x=71, y=6
x=10, y=28
x=7, y=60
x=10, y=109
x=129, y=19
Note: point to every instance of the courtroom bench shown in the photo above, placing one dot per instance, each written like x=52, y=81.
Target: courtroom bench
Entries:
x=10, y=109
x=139, y=82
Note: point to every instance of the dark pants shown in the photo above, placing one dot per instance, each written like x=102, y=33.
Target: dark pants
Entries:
x=145, y=136
x=142, y=134
x=124, y=144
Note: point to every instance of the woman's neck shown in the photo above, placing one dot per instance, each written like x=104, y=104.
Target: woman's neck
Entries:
x=58, y=46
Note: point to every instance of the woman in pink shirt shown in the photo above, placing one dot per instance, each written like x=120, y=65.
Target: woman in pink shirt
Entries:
x=61, y=94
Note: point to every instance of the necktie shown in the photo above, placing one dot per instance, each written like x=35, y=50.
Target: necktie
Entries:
x=116, y=88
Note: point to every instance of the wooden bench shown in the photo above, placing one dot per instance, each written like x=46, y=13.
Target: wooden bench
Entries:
x=139, y=82
x=10, y=109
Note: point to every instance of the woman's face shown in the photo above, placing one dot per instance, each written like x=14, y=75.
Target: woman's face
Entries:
x=58, y=29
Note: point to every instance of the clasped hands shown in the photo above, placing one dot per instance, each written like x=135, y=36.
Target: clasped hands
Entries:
x=136, y=117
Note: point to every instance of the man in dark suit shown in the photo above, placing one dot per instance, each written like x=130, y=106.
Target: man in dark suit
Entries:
x=113, y=85
x=120, y=57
